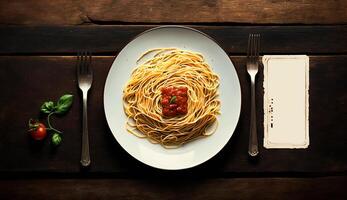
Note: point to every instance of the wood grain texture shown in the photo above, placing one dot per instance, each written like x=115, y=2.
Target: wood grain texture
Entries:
x=34, y=12
x=27, y=81
x=172, y=189
x=63, y=12
x=111, y=39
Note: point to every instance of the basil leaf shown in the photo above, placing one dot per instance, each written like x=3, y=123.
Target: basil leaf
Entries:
x=173, y=99
x=64, y=104
x=56, y=139
x=47, y=107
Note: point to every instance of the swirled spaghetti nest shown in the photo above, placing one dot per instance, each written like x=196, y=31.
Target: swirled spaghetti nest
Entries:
x=142, y=97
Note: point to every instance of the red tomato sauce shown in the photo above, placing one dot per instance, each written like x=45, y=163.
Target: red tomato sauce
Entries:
x=174, y=101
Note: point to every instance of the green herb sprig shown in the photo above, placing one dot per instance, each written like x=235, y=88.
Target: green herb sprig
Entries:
x=60, y=108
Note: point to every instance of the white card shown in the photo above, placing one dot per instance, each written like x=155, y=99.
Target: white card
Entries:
x=286, y=105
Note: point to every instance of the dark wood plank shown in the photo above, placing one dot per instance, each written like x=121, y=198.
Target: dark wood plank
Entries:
x=111, y=39
x=33, y=12
x=171, y=189
x=27, y=81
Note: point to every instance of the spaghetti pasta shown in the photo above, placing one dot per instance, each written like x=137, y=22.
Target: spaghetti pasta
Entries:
x=142, y=97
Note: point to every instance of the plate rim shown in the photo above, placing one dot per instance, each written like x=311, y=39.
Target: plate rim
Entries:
x=239, y=86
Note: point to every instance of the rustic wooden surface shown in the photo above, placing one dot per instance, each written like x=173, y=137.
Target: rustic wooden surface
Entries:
x=111, y=39
x=40, y=38
x=173, y=189
x=64, y=12
x=34, y=79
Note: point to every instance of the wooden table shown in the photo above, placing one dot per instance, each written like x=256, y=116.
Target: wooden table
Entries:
x=39, y=40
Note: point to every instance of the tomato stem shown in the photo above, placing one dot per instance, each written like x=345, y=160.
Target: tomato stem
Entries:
x=49, y=123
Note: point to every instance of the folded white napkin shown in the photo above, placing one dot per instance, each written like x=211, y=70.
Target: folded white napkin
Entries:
x=286, y=105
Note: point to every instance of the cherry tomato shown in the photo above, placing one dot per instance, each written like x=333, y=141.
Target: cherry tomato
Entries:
x=38, y=131
x=184, y=110
x=165, y=101
x=166, y=111
x=184, y=89
x=174, y=101
x=163, y=90
x=179, y=100
x=169, y=90
x=172, y=113
x=180, y=93
x=184, y=100
x=173, y=106
x=179, y=109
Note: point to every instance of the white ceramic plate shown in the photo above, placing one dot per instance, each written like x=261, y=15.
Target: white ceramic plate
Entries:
x=190, y=154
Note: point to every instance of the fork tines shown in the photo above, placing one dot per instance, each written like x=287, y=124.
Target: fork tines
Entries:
x=253, y=47
x=83, y=62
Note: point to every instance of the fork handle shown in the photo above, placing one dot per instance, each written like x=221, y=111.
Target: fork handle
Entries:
x=85, y=157
x=253, y=139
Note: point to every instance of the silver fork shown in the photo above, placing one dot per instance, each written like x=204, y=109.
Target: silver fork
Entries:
x=252, y=69
x=85, y=79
